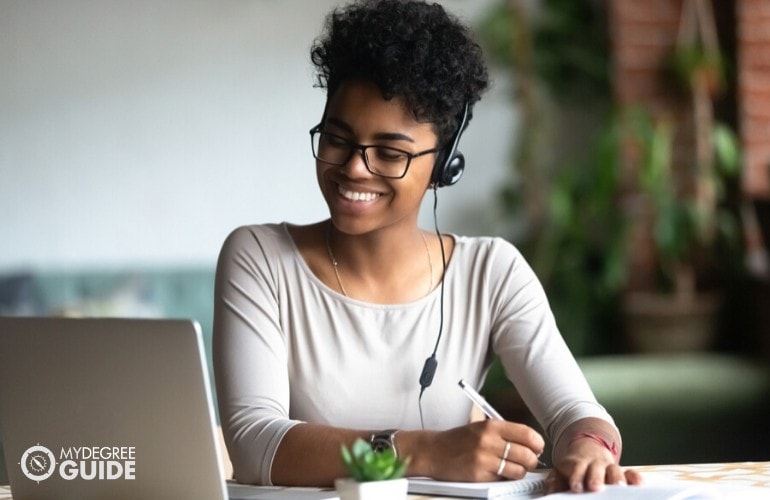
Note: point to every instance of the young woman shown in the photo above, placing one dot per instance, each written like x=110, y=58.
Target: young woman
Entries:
x=321, y=332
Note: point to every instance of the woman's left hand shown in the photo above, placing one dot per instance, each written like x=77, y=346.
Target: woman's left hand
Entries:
x=588, y=465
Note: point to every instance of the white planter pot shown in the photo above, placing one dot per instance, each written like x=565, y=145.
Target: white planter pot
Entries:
x=392, y=489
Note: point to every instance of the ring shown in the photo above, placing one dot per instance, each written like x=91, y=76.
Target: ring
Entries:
x=507, y=449
x=502, y=466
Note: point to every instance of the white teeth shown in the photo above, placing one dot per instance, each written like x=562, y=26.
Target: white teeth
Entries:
x=354, y=196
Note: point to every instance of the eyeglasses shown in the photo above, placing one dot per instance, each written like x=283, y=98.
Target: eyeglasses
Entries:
x=384, y=161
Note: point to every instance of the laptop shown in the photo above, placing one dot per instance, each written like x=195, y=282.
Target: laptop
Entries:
x=107, y=408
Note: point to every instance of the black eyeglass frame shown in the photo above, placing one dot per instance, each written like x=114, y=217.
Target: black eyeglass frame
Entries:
x=352, y=147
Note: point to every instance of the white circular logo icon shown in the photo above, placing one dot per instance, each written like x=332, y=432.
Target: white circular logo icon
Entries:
x=38, y=463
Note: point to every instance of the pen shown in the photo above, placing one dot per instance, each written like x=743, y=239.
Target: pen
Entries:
x=482, y=403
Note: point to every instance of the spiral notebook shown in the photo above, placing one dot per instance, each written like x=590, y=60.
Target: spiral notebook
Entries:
x=531, y=486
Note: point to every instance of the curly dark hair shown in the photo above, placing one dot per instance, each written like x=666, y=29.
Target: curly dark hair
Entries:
x=410, y=49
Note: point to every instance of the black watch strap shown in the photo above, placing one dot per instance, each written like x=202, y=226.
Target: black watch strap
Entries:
x=384, y=440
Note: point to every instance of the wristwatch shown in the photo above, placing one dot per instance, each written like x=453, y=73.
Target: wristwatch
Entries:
x=384, y=440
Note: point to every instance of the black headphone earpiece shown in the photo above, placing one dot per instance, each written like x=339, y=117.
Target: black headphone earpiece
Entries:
x=450, y=164
x=453, y=170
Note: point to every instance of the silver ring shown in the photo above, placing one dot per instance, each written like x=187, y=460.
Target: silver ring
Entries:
x=502, y=466
x=507, y=449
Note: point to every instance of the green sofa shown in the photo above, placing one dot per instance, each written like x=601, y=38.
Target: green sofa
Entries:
x=692, y=408
x=674, y=408
x=152, y=292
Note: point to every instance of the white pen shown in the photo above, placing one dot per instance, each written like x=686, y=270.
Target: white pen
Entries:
x=482, y=403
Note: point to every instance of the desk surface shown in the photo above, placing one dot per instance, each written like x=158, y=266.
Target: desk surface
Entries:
x=741, y=474
x=754, y=474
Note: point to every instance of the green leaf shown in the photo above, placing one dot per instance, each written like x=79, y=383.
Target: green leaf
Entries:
x=364, y=464
x=726, y=149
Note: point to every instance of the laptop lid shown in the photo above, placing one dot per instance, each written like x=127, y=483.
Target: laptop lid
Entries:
x=107, y=408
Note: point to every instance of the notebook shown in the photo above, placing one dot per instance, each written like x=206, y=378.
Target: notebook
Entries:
x=107, y=408
x=531, y=486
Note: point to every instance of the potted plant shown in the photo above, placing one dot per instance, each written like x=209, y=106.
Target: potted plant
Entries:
x=629, y=197
x=683, y=216
x=697, y=61
x=682, y=161
x=373, y=475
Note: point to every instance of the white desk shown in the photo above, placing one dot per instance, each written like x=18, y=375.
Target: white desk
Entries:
x=754, y=474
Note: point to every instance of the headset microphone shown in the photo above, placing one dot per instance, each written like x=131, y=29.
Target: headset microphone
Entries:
x=428, y=371
x=431, y=363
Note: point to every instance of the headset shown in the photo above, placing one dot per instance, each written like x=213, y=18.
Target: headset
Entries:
x=450, y=163
x=447, y=170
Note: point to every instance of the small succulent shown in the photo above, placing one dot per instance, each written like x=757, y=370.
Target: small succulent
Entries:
x=364, y=464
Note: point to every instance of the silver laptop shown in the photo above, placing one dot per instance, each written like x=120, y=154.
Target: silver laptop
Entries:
x=107, y=408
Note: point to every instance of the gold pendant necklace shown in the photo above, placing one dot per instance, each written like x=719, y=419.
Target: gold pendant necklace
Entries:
x=337, y=272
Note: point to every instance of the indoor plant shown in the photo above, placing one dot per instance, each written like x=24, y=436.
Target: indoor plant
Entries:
x=373, y=475
x=683, y=161
x=683, y=220
x=629, y=200
x=558, y=205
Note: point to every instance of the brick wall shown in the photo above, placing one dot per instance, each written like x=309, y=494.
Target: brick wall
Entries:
x=754, y=94
x=643, y=34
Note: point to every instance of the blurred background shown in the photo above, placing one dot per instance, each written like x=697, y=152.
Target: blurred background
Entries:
x=624, y=148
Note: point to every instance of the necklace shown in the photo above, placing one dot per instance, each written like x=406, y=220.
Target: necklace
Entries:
x=337, y=272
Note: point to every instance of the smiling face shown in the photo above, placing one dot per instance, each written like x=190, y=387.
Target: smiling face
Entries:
x=359, y=201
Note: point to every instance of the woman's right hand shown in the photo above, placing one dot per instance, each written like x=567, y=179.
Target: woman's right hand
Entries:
x=475, y=452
